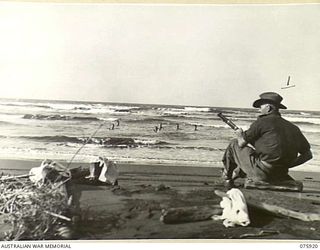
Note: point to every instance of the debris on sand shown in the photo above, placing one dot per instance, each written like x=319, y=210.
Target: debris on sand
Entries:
x=29, y=211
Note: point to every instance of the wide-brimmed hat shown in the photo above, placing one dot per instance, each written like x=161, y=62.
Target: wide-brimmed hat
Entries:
x=269, y=97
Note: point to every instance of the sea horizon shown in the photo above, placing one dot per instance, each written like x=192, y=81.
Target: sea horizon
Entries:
x=140, y=103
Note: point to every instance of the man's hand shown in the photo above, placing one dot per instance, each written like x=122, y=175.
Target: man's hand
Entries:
x=302, y=158
x=239, y=132
x=239, y=135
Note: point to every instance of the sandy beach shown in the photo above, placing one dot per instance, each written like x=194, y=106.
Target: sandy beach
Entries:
x=132, y=210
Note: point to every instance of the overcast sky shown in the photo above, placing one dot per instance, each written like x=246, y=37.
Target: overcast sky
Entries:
x=206, y=55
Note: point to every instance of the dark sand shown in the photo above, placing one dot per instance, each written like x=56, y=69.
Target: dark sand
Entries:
x=133, y=209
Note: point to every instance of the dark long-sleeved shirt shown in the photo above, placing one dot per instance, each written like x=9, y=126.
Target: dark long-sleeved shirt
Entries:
x=277, y=141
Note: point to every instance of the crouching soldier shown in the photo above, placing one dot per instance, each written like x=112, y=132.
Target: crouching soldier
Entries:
x=278, y=144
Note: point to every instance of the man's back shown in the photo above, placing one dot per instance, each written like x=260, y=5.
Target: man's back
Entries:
x=277, y=141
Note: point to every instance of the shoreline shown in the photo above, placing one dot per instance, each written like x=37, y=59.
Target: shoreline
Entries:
x=132, y=210
x=10, y=164
x=178, y=176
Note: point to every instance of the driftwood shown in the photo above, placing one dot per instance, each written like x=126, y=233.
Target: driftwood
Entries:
x=79, y=173
x=280, y=205
x=58, y=215
x=261, y=233
x=288, y=185
x=189, y=214
x=6, y=178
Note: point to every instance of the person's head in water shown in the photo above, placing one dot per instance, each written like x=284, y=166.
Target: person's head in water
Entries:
x=156, y=129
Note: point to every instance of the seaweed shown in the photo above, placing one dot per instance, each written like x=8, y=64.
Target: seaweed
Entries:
x=32, y=211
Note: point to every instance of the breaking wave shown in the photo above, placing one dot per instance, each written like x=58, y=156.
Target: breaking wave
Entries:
x=196, y=109
x=24, y=104
x=72, y=107
x=59, y=117
x=103, y=141
x=304, y=120
x=116, y=142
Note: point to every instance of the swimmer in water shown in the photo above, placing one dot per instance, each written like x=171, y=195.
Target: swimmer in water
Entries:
x=156, y=129
x=160, y=126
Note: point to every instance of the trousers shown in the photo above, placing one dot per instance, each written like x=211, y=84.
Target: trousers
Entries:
x=244, y=162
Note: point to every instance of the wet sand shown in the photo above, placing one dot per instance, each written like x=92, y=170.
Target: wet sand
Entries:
x=132, y=210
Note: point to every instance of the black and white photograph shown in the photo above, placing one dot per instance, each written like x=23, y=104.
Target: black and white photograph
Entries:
x=158, y=121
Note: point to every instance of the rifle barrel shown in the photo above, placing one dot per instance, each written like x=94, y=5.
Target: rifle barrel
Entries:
x=227, y=121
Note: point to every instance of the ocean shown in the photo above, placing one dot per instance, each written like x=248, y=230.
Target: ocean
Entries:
x=131, y=133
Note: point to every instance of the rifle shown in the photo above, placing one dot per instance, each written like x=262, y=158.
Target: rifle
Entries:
x=228, y=121
x=232, y=125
